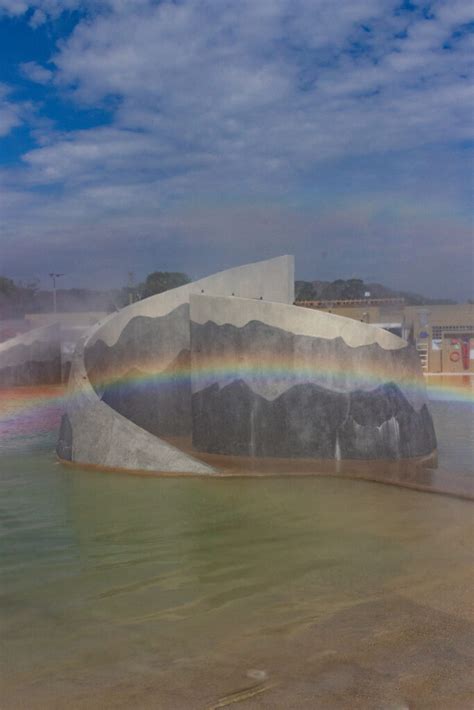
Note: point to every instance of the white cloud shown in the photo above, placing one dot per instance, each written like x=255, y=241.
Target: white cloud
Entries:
x=205, y=74
x=44, y=10
x=453, y=12
x=35, y=72
x=215, y=103
x=13, y=7
x=11, y=112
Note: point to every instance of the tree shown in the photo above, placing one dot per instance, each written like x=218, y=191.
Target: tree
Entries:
x=344, y=290
x=160, y=281
x=7, y=287
x=304, y=291
x=16, y=298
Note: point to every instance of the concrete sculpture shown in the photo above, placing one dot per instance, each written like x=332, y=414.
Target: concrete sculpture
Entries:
x=32, y=358
x=283, y=381
x=229, y=362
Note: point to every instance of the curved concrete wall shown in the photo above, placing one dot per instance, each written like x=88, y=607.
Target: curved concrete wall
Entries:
x=32, y=358
x=93, y=433
x=229, y=361
x=282, y=381
x=134, y=369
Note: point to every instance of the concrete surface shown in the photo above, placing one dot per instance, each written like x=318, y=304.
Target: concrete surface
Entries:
x=93, y=433
x=302, y=389
x=250, y=375
x=131, y=377
x=271, y=280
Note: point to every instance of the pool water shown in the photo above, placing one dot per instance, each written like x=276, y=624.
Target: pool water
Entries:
x=120, y=591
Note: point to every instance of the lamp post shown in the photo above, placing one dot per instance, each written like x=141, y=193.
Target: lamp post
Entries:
x=54, y=277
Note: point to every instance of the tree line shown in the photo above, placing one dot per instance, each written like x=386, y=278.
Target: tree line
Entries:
x=17, y=299
x=356, y=289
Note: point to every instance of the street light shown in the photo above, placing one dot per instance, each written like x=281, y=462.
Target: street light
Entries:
x=54, y=277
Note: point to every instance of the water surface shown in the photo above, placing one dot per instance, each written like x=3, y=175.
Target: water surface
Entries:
x=120, y=591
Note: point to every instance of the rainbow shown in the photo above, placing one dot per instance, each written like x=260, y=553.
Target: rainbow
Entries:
x=445, y=388
x=335, y=375
x=25, y=410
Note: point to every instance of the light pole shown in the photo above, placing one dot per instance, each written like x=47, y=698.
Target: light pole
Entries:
x=54, y=277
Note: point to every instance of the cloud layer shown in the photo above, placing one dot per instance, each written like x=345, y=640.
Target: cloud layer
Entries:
x=240, y=130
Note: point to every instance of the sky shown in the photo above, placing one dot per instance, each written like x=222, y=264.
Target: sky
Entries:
x=195, y=135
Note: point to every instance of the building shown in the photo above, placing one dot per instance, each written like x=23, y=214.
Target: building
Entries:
x=385, y=313
x=443, y=335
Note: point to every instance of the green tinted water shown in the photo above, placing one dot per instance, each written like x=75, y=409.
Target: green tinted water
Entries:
x=122, y=591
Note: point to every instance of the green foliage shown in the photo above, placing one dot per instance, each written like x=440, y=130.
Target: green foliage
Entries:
x=355, y=289
x=160, y=281
x=16, y=299
x=7, y=287
x=340, y=289
x=304, y=291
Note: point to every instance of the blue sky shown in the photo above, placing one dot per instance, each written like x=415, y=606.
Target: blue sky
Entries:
x=197, y=134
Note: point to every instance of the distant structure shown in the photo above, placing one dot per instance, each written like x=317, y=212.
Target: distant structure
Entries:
x=230, y=364
x=31, y=358
x=29, y=346
x=72, y=327
x=386, y=313
x=443, y=334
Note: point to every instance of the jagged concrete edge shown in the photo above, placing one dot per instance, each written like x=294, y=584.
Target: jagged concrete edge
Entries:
x=300, y=321
x=124, y=336
x=279, y=384
x=270, y=280
x=217, y=431
x=238, y=313
x=279, y=282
